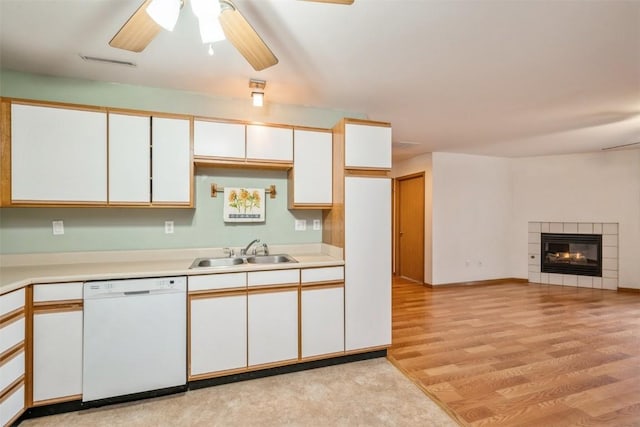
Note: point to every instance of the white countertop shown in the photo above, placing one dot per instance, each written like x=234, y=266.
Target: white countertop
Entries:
x=17, y=271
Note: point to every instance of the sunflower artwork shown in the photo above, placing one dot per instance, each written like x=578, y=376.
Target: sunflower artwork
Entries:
x=243, y=204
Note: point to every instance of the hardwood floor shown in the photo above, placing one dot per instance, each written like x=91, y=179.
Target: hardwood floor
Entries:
x=522, y=354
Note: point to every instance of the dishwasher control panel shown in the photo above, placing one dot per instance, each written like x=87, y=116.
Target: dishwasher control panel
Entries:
x=107, y=288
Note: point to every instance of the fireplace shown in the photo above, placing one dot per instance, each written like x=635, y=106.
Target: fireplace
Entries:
x=579, y=254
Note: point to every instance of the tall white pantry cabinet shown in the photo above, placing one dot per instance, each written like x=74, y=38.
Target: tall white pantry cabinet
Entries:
x=363, y=182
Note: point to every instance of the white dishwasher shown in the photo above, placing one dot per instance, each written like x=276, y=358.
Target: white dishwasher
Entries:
x=135, y=337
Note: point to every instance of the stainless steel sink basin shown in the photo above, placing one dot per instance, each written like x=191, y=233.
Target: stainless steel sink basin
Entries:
x=230, y=262
x=216, y=262
x=270, y=259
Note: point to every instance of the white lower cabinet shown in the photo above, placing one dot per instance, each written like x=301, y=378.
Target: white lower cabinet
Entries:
x=273, y=326
x=322, y=321
x=11, y=405
x=12, y=364
x=217, y=323
x=218, y=333
x=57, y=355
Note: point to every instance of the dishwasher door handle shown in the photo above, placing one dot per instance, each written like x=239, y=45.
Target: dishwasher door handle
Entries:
x=137, y=292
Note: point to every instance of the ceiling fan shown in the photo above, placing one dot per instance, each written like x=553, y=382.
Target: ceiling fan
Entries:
x=621, y=146
x=218, y=19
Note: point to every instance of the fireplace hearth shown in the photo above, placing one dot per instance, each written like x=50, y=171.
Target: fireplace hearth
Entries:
x=564, y=253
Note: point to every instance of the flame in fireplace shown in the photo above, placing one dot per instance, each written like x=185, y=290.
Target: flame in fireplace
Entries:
x=567, y=256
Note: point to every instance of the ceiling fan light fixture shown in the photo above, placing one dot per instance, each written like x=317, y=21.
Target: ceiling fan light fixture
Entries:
x=164, y=12
x=205, y=8
x=210, y=29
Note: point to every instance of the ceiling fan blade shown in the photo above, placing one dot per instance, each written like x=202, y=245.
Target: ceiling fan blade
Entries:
x=347, y=2
x=242, y=35
x=137, y=32
x=621, y=146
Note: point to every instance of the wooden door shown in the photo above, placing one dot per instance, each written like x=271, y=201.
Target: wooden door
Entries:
x=410, y=227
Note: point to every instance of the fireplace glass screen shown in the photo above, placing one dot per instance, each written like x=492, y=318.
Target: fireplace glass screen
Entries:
x=579, y=254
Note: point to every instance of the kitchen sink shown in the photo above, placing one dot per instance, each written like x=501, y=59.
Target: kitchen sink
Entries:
x=232, y=261
x=216, y=262
x=270, y=259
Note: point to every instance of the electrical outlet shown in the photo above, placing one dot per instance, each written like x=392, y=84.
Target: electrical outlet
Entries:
x=301, y=225
x=58, y=227
x=317, y=225
x=168, y=227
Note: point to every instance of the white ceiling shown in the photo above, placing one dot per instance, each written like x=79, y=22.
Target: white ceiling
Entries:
x=506, y=78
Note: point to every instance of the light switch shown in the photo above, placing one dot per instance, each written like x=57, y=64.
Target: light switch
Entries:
x=301, y=224
x=168, y=227
x=58, y=227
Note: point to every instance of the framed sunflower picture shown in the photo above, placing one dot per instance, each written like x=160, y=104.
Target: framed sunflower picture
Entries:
x=243, y=205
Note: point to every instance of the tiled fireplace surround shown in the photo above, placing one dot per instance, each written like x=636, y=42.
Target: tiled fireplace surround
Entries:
x=609, y=231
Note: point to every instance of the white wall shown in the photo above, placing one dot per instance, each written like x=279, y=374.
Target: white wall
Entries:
x=604, y=187
x=471, y=218
x=477, y=208
x=419, y=164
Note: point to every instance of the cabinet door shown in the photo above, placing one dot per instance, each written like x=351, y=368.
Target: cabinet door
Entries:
x=171, y=164
x=322, y=321
x=367, y=146
x=11, y=302
x=58, y=155
x=273, y=327
x=57, y=355
x=312, y=168
x=218, y=333
x=12, y=333
x=269, y=143
x=367, y=262
x=129, y=159
x=213, y=139
x=12, y=405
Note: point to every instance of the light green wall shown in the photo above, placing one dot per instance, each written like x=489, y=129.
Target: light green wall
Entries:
x=27, y=230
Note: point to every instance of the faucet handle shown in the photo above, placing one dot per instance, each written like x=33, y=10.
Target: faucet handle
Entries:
x=228, y=251
x=262, y=248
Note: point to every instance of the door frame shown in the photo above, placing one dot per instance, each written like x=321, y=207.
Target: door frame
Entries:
x=396, y=221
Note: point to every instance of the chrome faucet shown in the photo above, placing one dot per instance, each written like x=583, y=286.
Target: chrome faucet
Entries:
x=246, y=250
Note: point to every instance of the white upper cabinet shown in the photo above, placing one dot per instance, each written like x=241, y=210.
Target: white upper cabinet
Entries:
x=312, y=168
x=58, y=155
x=214, y=139
x=269, y=143
x=367, y=146
x=129, y=159
x=171, y=166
